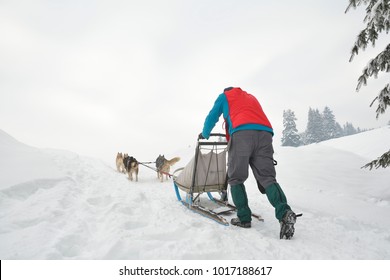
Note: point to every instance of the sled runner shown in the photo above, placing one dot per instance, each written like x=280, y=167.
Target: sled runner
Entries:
x=206, y=174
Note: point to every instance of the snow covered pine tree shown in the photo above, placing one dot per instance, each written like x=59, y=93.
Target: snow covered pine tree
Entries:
x=290, y=131
x=378, y=20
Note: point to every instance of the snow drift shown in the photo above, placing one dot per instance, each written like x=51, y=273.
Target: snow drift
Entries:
x=59, y=205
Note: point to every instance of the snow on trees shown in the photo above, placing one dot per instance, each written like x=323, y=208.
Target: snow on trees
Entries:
x=377, y=20
x=290, y=132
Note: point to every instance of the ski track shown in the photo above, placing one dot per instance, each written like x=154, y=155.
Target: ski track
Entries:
x=90, y=211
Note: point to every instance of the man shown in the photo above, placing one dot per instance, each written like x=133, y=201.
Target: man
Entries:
x=249, y=133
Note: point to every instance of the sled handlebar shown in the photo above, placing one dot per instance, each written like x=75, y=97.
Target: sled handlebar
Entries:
x=211, y=143
x=200, y=136
x=218, y=134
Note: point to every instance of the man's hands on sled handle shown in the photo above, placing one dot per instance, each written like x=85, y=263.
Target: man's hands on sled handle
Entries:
x=200, y=136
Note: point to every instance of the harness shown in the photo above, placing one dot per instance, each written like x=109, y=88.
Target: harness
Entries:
x=155, y=169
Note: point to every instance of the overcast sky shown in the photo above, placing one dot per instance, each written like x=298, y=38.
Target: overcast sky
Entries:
x=100, y=77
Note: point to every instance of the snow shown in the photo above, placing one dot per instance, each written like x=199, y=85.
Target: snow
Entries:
x=59, y=205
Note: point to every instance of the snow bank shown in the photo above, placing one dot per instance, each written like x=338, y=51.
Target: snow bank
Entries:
x=58, y=205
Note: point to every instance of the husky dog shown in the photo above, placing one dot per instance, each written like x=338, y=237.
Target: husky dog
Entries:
x=163, y=166
x=159, y=163
x=120, y=166
x=131, y=165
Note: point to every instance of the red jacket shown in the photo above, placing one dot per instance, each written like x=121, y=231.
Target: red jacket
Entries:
x=245, y=109
x=241, y=111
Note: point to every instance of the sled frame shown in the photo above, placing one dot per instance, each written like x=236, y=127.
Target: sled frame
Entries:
x=194, y=192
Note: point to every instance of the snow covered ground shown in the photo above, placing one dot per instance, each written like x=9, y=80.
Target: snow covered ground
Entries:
x=59, y=205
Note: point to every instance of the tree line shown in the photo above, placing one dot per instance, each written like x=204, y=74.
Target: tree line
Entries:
x=321, y=126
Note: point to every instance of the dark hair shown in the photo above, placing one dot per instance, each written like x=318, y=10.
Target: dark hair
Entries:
x=227, y=89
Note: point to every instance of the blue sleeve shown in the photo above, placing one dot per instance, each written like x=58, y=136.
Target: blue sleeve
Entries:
x=213, y=116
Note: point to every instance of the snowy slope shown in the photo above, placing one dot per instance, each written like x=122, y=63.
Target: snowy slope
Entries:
x=59, y=205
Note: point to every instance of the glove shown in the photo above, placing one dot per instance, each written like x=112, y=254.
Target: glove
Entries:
x=200, y=136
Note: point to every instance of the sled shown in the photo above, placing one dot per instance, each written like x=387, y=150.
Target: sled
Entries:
x=206, y=174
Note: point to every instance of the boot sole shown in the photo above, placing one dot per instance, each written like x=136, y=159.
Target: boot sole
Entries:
x=243, y=225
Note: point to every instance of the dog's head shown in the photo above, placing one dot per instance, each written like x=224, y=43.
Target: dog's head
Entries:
x=160, y=161
x=126, y=159
x=160, y=157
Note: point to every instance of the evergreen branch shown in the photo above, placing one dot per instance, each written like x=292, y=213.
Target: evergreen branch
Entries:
x=383, y=161
x=355, y=3
x=377, y=19
x=380, y=63
x=383, y=100
x=362, y=79
x=361, y=43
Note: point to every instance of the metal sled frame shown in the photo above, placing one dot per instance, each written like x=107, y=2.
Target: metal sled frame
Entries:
x=193, y=192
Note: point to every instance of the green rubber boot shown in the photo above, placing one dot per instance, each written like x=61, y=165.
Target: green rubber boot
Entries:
x=278, y=200
x=240, y=200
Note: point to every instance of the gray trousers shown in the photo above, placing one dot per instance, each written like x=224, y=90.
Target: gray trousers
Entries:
x=251, y=148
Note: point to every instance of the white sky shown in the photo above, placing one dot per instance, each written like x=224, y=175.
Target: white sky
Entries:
x=100, y=77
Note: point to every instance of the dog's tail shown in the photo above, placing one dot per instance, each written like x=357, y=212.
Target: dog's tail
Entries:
x=173, y=161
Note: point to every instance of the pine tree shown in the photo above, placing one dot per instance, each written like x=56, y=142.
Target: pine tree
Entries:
x=339, y=130
x=303, y=137
x=310, y=128
x=329, y=124
x=378, y=20
x=290, y=132
x=349, y=129
x=315, y=129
